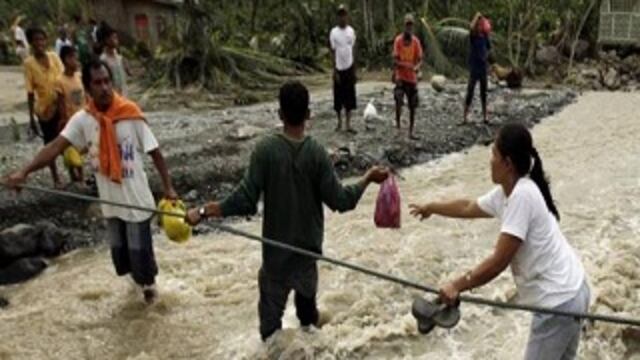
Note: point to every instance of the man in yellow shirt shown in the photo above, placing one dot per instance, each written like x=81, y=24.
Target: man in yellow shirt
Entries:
x=42, y=69
x=71, y=99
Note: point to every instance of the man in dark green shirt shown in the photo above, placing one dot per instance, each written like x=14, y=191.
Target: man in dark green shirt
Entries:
x=295, y=176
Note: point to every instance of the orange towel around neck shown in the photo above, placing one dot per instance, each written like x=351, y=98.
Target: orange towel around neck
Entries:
x=109, y=153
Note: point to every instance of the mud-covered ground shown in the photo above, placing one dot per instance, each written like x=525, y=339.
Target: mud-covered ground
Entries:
x=207, y=151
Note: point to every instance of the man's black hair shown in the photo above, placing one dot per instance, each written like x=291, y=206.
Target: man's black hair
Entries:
x=66, y=51
x=294, y=102
x=104, y=32
x=33, y=31
x=93, y=64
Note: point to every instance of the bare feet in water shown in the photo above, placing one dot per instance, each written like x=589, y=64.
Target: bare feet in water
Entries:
x=150, y=294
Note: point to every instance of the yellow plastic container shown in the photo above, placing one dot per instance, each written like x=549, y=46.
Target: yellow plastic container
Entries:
x=175, y=227
x=72, y=158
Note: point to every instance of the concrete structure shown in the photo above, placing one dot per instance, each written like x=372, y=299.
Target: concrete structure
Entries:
x=619, y=22
x=142, y=20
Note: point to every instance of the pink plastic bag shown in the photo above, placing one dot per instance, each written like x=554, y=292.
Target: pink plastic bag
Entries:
x=388, y=205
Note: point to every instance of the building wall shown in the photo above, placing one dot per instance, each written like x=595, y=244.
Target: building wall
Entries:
x=157, y=17
x=110, y=11
x=619, y=22
x=126, y=16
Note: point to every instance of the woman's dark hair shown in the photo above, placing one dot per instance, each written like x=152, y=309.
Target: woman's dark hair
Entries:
x=33, y=31
x=514, y=142
x=93, y=64
x=294, y=102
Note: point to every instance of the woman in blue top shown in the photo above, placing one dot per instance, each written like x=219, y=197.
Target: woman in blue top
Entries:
x=480, y=45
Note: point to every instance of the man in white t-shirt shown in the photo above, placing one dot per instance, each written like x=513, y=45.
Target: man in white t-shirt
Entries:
x=343, y=40
x=127, y=140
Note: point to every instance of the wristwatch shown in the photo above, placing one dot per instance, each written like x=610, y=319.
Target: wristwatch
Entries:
x=202, y=212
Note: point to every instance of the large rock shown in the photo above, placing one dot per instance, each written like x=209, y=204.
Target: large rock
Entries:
x=245, y=132
x=21, y=240
x=624, y=79
x=582, y=50
x=21, y=270
x=52, y=239
x=611, y=79
x=548, y=55
x=589, y=73
x=630, y=66
x=18, y=241
x=514, y=79
x=438, y=82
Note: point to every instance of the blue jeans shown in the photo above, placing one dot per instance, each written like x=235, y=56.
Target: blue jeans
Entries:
x=554, y=337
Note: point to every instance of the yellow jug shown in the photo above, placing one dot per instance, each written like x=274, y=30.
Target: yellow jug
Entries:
x=72, y=158
x=175, y=227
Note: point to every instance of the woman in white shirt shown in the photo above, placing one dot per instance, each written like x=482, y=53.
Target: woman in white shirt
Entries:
x=546, y=270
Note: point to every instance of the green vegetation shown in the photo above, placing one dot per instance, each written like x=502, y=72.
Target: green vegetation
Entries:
x=218, y=44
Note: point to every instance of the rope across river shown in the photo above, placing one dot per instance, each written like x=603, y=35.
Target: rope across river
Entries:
x=404, y=282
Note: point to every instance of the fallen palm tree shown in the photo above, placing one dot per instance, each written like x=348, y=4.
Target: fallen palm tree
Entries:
x=193, y=55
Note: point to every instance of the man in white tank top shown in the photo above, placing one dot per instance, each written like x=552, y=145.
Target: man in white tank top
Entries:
x=343, y=40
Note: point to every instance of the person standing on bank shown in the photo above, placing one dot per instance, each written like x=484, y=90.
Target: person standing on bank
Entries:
x=71, y=99
x=62, y=40
x=546, y=270
x=42, y=70
x=480, y=45
x=117, y=137
x=343, y=40
x=108, y=38
x=407, y=57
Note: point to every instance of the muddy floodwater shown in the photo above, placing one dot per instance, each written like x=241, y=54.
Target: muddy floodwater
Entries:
x=78, y=309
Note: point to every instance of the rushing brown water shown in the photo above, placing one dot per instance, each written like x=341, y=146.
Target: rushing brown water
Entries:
x=208, y=296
